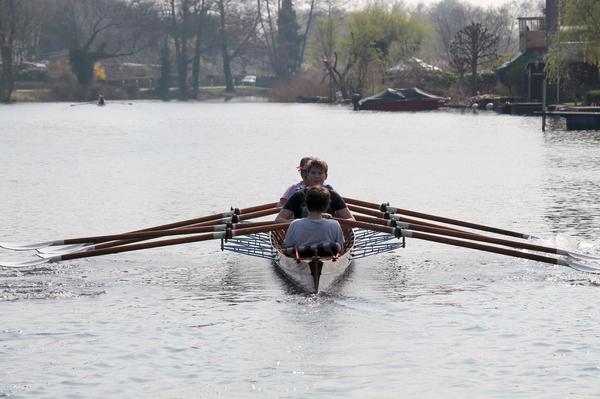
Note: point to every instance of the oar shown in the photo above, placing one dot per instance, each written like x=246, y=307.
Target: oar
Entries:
x=385, y=208
x=135, y=236
x=230, y=233
x=88, y=103
x=398, y=232
x=392, y=216
x=34, y=246
x=464, y=234
x=86, y=245
x=128, y=238
x=376, y=217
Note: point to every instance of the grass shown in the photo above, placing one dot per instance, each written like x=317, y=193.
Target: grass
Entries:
x=239, y=91
x=42, y=95
x=31, y=95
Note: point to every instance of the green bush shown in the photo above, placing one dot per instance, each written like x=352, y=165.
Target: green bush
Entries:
x=592, y=97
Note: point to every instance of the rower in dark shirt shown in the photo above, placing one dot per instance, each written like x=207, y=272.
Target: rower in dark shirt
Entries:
x=295, y=207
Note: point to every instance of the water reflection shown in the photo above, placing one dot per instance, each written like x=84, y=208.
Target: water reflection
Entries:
x=47, y=282
x=571, y=185
x=206, y=322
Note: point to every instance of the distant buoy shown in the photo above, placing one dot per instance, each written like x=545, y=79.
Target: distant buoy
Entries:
x=489, y=106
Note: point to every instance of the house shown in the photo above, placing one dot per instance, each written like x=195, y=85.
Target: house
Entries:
x=525, y=73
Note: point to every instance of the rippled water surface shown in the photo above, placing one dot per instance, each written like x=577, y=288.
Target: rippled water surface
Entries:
x=189, y=321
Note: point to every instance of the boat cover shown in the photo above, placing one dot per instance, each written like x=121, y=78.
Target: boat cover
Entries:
x=415, y=93
x=398, y=95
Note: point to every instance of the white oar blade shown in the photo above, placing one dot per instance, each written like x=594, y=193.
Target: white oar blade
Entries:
x=582, y=268
x=28, y=263
x=72, y=250
x=57, y=249
x=26, y=247
x=582, y=256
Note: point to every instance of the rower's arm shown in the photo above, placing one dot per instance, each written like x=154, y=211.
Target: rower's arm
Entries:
x=343, y=213
x=284, y=215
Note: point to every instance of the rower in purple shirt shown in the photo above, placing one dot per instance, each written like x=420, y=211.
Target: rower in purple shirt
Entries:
x=291, y=190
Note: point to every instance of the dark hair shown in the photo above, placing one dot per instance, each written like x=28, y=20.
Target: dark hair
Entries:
x=304, y=161
x=317, y=199
x=317, y=163
x=302, y=167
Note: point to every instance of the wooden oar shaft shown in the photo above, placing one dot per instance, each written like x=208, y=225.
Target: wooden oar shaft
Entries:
x=463, y=234
x=366, y=225
x=444, y=240
x=202, y=224
x=196, y=222
x=365, y=211
x=459, y=234
x=258, y=214
x=392, y=222
x=187, y=230
x=481, y=247
x=135, y=247
x=213, y=217
x=152, y=234
x=441, y=219
x=175, y=241
x=257, y=208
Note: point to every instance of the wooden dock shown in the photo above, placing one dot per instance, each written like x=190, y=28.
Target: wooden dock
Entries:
x=521, y=108
x=577, y=120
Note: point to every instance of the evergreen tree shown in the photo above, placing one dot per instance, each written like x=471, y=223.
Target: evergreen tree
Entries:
x=288, y=41
x=164, y=83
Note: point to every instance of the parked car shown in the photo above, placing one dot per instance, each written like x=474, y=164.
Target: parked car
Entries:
x=248, y=80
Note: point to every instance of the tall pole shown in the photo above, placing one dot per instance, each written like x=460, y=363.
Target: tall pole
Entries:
x=544, y=107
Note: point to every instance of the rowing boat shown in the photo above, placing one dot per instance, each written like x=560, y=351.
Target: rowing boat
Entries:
x=359, y=243
x=314, y=272
x=374, y=229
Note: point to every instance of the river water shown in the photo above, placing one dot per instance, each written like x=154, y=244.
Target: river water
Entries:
x=189, y=321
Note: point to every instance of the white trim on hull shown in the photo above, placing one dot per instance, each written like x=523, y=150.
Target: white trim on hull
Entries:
x=301, y=274
x=314, y=274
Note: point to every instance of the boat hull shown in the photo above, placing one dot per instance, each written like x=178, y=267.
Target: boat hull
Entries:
x=303, y=275
x=408, y=105
x=407, y=99
x=314, y=274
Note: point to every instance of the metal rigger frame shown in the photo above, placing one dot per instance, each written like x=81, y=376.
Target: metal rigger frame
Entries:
x=366, y=243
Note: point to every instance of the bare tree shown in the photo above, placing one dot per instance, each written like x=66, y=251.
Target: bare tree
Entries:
x=187, y=19
x=447, y=18
x=19, y=31
x=267, y=28
x=8, y=18
x=96, y=30
x=225, y=54
x=324, y=43
x=200, y=9
x=180, y=28
x=237, y=26
x=309, y=20
x=475, y=45
x=339, y=75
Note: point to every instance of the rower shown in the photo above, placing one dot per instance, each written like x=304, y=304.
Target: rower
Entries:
x=295, y=207
x=314, y=229
x=291, y=190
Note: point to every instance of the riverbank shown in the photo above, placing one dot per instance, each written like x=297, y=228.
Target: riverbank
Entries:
x=67, y=93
